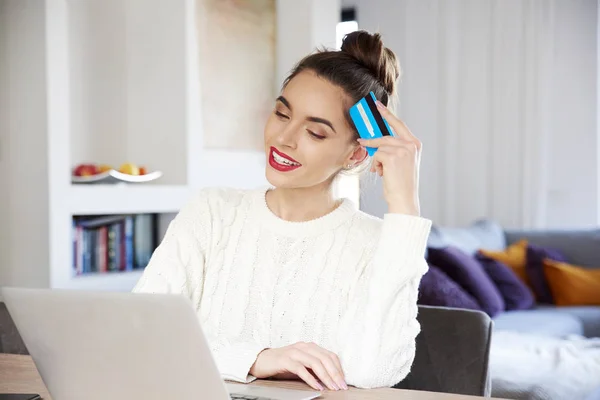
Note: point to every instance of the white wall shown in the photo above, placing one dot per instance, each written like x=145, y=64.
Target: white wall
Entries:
x=302, y=26
x=4, y=230
x=573, y=154
x=128, y=84
x=98, y=71
x=503, y=96
x=24, y=239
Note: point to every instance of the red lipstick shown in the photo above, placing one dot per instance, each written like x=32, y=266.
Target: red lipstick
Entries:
x=281, y=161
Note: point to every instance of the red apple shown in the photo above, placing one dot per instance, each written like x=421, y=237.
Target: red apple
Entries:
x=85, y=170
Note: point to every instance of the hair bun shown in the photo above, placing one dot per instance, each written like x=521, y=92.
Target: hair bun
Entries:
x=368, y=49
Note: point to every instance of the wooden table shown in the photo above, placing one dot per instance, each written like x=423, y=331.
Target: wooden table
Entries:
x=18, y=374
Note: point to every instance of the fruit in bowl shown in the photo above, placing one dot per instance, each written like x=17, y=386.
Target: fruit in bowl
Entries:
x=85, y=170
x=129, y=169
x=104, y=168
x=86, y=173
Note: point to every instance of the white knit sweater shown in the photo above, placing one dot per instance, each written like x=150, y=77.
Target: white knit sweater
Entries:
x=347, y=282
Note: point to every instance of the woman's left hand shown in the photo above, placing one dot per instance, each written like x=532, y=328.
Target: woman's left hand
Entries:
x=397, y=160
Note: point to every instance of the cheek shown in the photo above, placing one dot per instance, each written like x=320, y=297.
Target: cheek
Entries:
x=325, y=157
x=271, y=127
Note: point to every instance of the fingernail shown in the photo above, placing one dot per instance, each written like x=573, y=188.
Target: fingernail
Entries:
x=345, y=386
x=380, y=105
x=320, y=387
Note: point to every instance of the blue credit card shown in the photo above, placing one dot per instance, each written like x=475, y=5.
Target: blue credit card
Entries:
x=368, y=121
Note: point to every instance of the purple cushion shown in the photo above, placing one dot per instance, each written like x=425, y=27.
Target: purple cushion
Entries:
x=535, y=271
x=437, y=289
x=516, y=294
x=465, y=270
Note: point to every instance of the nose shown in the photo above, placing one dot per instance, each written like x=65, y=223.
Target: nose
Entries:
x=288, y=137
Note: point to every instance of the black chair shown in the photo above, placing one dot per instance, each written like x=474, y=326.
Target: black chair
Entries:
x=10, y=340
x=452, y=353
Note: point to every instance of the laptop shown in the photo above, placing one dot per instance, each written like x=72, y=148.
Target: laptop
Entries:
x=123, y=346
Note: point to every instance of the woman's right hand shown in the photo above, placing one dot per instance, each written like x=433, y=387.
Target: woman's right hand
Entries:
x=299, y=360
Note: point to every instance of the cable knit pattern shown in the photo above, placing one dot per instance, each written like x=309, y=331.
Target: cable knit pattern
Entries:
x=347, y=281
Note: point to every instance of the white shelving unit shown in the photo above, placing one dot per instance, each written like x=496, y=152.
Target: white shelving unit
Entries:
x=115, y=281
x=104, y=81
x=126, y=199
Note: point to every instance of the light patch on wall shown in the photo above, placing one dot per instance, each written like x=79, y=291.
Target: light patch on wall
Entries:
x=344, y=28
x=237, y=70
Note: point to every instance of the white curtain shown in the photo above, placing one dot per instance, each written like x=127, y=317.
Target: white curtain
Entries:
x=483, y=88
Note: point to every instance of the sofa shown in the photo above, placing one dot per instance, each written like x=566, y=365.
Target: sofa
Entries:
x=580, y=247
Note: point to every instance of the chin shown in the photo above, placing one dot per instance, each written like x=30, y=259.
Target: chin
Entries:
x=280, y=180
x=284, y=181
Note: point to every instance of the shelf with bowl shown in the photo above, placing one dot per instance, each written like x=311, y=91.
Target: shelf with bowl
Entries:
x=95, y=173
x=123, y=199
x=112, y=176
x=100, y=112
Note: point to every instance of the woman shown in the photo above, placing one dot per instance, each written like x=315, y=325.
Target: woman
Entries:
x=289, y=282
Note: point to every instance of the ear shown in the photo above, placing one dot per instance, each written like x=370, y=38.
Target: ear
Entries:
x=359, y=155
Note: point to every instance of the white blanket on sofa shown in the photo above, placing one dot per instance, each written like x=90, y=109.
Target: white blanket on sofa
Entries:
x=535, y=367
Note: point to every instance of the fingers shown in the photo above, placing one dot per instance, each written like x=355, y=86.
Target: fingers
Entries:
x=386, y=113
x=297, y=368
x=400, y=129
x=331, y=363
x=377, y=164
x=390, y=142
x=379, y=142
x=390, y=156
x=315, y=363
x=380, y=158
x=377, y=167
x=338, y=364
x=397, y=124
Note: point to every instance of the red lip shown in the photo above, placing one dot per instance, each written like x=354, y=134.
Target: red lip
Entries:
x=280, y=167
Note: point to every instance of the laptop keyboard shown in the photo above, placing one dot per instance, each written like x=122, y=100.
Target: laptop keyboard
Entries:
x=247, y=397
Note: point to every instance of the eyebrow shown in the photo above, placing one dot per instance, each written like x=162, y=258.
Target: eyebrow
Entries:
x=324, y=121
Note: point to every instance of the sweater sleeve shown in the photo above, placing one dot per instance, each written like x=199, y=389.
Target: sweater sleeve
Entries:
x=177, y=266
x=376, y=339
x=234, y=358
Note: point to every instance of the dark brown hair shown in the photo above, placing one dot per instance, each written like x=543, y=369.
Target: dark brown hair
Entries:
x=362, y=65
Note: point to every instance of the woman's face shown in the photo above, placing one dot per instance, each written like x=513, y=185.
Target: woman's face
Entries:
x=307, y=138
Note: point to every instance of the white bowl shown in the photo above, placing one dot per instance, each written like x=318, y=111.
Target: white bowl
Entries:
x=114, y=176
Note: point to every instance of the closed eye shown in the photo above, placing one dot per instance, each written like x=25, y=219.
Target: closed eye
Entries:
x=319, y=137
x=281, y=115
